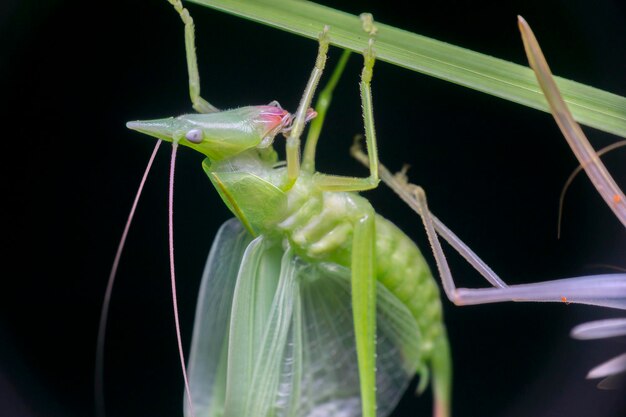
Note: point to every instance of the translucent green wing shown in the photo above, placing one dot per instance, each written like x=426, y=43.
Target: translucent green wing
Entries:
x=259, y=328
x=330, y=381
x=207, y=359
x=287, y=348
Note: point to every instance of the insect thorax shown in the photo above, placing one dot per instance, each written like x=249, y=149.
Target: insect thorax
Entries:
x=317, y=224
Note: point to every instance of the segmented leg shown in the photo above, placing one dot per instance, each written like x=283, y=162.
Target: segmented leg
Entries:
x=293, y=141
x=340, y=183
x=601, y=290
x=442, y=377
x=321, y=107
x=199, y=104
x=364, y=308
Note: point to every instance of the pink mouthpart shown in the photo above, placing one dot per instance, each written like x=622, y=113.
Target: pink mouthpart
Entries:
x=276, y=119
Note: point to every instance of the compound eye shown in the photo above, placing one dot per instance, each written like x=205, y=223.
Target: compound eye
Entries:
x=194, y=136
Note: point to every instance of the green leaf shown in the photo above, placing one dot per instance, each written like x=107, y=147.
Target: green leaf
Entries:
x=590, y=106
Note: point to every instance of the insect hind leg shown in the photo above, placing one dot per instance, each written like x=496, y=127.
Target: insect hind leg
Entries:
x=199, y=104
x=363, y=290
x=602, y=290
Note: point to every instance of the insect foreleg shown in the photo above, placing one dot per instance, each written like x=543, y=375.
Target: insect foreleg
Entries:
x=199, y=104
x=321, y=107
x=364, y=308
x=293, y=141
x=340, y=183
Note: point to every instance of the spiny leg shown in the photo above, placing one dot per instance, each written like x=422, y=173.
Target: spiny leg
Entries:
x=321, y=107
x=398, y=184
x=601, y=290
x=325, y=97
x=199, y=104
x=364, y=308
x=293, y=141
x=417, y=197
x=590, y=161
x=587, y=290
x=340, y=183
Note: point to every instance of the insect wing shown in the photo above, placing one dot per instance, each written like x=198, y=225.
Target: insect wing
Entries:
x=279, y=338
x=292, y=348
x=330, y=378
x=260, y=325
x=207, y=360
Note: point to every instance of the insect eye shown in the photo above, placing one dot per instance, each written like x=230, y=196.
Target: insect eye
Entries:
x=194, y=136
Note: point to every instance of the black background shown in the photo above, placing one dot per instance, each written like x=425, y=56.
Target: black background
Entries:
x=72, y=73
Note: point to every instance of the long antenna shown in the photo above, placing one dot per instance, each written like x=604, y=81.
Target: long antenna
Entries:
x=579, y=168
x=104, y=313
x=170, y=225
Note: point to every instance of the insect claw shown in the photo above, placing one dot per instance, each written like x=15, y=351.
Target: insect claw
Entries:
x=324, y=42
x=324, y=38
x=369, y=58
x=367, y=23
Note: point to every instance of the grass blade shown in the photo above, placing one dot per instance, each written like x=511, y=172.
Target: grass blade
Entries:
x=590, y=106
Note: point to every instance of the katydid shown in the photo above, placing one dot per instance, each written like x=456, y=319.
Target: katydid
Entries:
x=223, y=377
x=311, y=303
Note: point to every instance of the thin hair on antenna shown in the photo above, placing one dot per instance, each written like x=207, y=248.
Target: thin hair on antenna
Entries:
x=106, y=303
x=170, y=227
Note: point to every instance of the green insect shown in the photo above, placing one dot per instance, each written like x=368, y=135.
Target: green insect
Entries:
x=311, y=303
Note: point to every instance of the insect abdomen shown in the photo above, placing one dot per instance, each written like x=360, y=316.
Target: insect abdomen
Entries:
x=403, y=271
x=318, y=227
